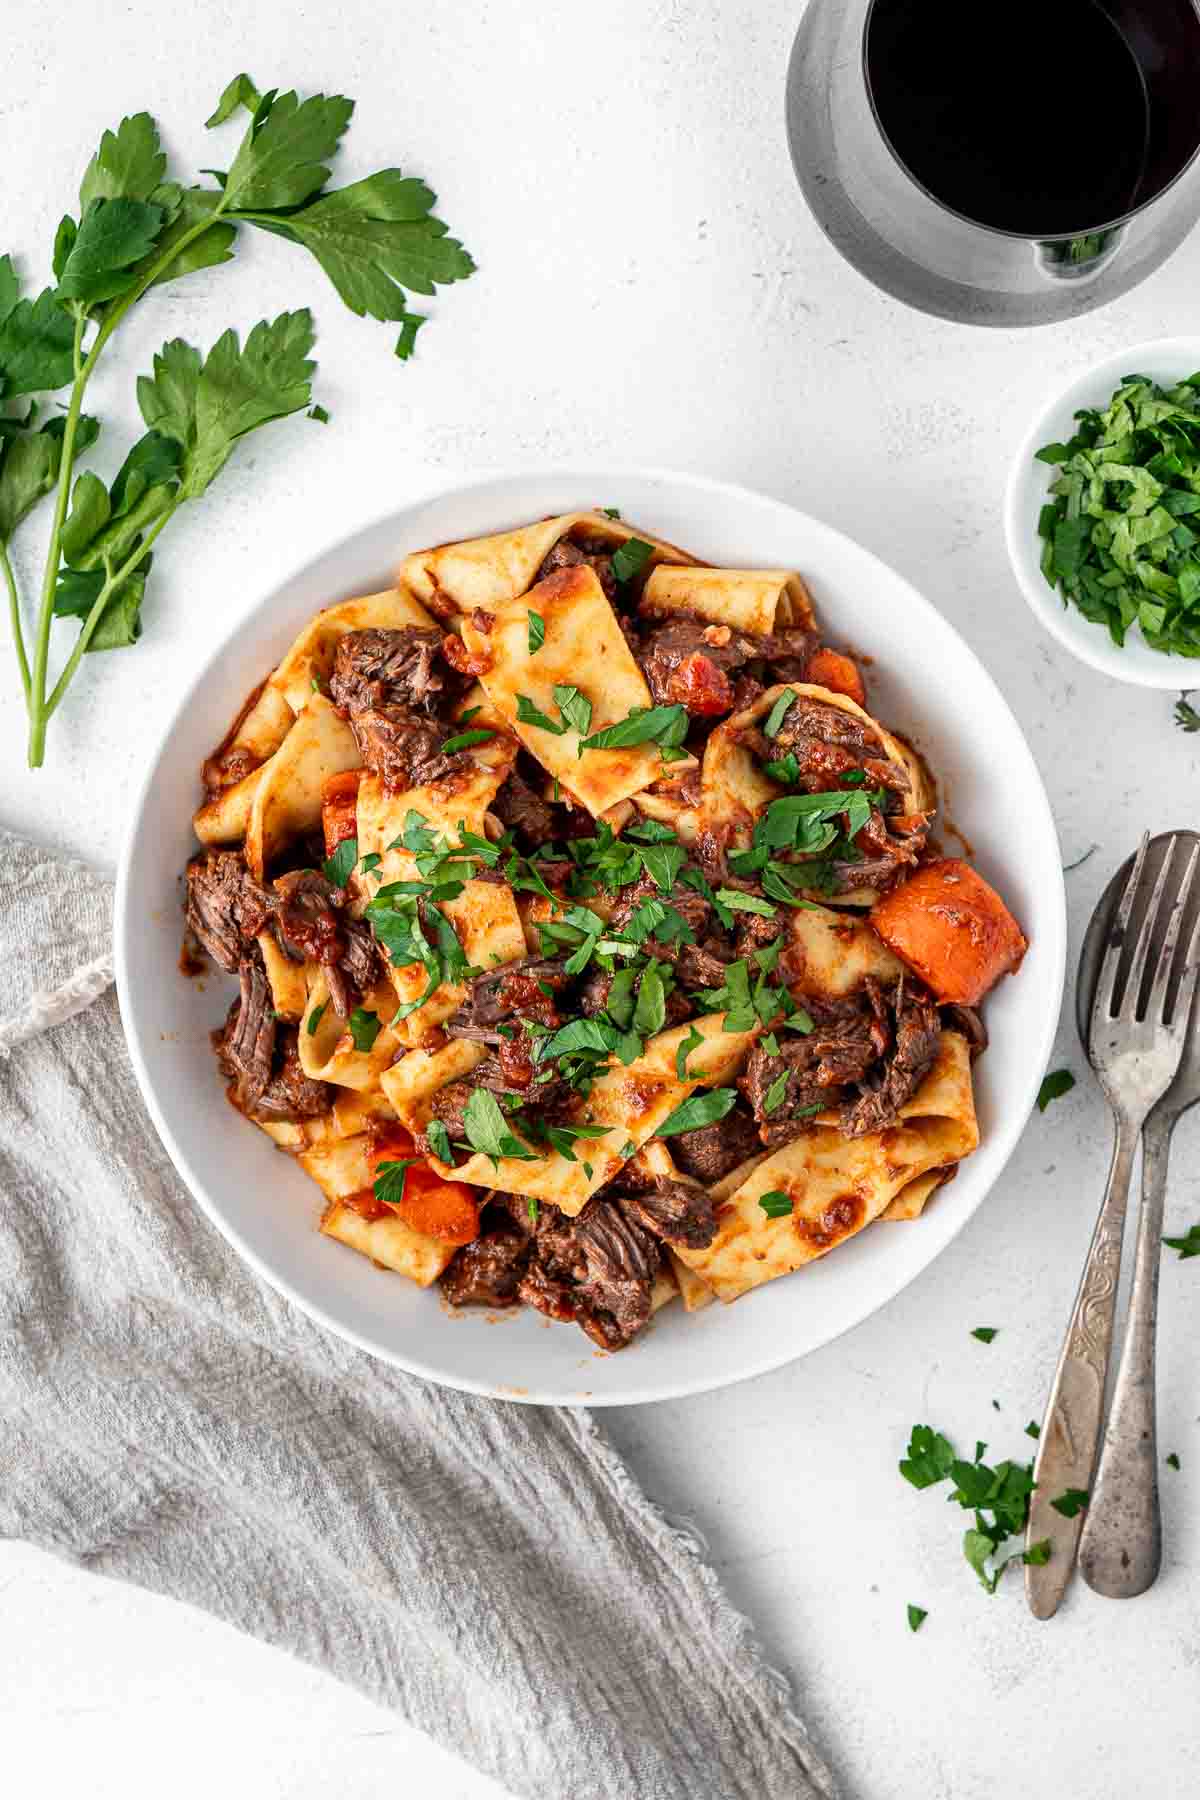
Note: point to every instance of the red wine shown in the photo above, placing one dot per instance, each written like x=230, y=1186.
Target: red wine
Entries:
x=1028, y=116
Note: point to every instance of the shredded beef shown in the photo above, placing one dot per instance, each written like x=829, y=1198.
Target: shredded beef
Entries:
x=888, y=846
x=568, y=555
x=620, y=1261
x=710, y=1152
x=849, y=1036
x=403, y=750
x=513, y=988
x=918, y=1030
x=291, y=1094
x=703, y=965
x=311, y=923
x=486, y=1271
x=968, y=1021
x=520, y=809
x=789, y=652
x=674, y=1210
x=687, y=662
x=828, y=743
x=246, y=1047
x=226, y=908
x=377, y=668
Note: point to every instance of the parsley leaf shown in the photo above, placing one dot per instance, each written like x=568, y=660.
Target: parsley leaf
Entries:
x=529, y=714
x=1037, y=1555
x=697, y=1110
x=439, y=1141
x=283, y=156
x=1186, y=716
x=683, y=1049
x=129, y=165
x=1187, y=1246
x=35, y=345
x=1059, y=1082
x=241, y=91
x=778, y=712
x=410, y=324
x=664, y=725
x=364, y=1028
x=1173, y=1461
x=776, y=1094
x=738, y=901
x=917, y=1616
x=930, y=1457
x=651, y=1008
x=630, y=558
x=1071, y=1503
x=776, y=1204
x=487, y=1129
x=536, y=632
x=465, y=739
x=575, y=708
x=315, y=1017
x=390, y=1178
x=985, y=1333
x=339, y=867
x=662, y=862
x=113, y=236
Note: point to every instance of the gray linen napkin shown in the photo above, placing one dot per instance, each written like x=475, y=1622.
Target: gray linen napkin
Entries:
x=491, y=1571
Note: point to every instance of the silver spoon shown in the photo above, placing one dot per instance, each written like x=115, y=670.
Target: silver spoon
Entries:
x=1120, y=1548
x=1135, y=1027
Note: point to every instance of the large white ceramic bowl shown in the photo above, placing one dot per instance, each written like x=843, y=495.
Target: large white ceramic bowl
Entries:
x=1165, y=360
x=927, y=683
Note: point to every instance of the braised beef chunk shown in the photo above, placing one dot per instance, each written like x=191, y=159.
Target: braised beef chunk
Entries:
x=291, y=1094
x=225, y=907
x=311, y=923
x=513, y=988
x=702, y=965
x=887, y=846
x=827, y=744
x=710, y=1152
x=520, y=809
x=404, y=750
x=620, y=1260
x=486, y=1271
x=687, y=662
x=246, y=1047
x=259, y=1057
x=674, y=1210
x=374, y=669
x=918, y=1029
x=567, y=554
x=392, y=684
x=692, y=908
x=449, y=1104
x=788, y=653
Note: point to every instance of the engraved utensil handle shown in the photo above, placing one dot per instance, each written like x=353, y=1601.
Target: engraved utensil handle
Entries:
x=1120, y=1550
x=1071, y=1428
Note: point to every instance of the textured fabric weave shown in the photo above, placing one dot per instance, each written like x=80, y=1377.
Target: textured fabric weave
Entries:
x=491, y=1572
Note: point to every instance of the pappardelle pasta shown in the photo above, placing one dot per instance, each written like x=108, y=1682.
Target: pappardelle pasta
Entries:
x=593, y=949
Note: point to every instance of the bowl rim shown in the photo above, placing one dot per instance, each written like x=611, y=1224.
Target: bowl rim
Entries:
x=1004, y=1138
x=1133, y=664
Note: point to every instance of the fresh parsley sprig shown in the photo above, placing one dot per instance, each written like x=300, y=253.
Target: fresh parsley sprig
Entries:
x=137, y=228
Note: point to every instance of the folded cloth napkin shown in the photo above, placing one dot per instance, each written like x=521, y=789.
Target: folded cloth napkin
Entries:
x=491, y=1571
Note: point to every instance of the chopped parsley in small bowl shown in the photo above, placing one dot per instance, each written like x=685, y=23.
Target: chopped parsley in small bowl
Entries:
x=1103, y=515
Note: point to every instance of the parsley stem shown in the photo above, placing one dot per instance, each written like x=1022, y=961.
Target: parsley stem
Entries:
x=14, y=610
x=102, y=599
x=39, y=711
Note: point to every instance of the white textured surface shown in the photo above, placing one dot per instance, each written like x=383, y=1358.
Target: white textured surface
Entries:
x=651, y=288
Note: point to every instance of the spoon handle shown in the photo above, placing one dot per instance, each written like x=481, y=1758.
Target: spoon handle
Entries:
x=1071, y=1428
x=1120, y=1550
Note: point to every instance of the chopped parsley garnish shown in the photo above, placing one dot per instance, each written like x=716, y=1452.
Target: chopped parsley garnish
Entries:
x=662, y=862
x=1033, y=1429
x=784, y=769
x=1038, y=1554
x=776, y=1094
x=628, y=1149
x=532, y=1209
x=318, y=413
x=778, y=712
x=487, y=1129
x=985, y=1333
x=1119, y=528
x=776, y=1204
x=1071, y=1503
x=371, y=861
x=684, y=1049
x=917, y=1616
x=1055, y=1085
x=630, y=558
x=651, y=1008
x=1186, y=716
x=439, y=1141
x=390, y=1178
x=537, y=632
x=1188, y=1245
x=464, y=740
x=998, y=1497
x=698, y=1110
x=611, y=512
x=737, y=901
x=575, y=710
x=665, y=726
x=1173, y=1461
x=315, y=1017
x=364, y=1028
x=338, y=868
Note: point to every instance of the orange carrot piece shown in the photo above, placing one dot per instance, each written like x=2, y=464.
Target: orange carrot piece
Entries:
x=954, y=930
x=840, y=674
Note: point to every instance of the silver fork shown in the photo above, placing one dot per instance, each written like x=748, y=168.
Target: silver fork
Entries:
x=1135, y=1051
x=1120, y=1548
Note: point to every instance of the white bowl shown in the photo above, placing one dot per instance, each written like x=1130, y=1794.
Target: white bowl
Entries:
x=1165, y=360
x=268, y=1209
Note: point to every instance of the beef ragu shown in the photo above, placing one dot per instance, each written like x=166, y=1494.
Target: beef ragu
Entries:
x=582, y=1050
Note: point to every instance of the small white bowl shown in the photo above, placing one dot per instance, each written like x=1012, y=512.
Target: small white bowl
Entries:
x=1165, y=360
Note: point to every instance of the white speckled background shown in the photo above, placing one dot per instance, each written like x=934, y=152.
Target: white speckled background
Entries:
x=652, y=288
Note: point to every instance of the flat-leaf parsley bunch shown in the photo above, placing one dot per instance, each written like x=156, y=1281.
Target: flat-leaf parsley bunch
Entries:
x=377, y=240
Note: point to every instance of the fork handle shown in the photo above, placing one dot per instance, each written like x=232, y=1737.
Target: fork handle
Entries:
x=1120, y=1550
x=1071, y=1428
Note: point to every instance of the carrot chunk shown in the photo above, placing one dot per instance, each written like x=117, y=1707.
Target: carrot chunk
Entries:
x=339, y=808
x=448, y=1210
x=840, y=674
x=952, y=928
